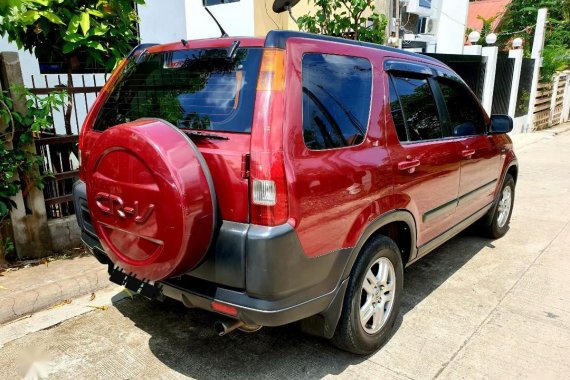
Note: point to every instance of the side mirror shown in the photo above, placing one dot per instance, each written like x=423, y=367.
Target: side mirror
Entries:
x=280, y=6
x=501, y=124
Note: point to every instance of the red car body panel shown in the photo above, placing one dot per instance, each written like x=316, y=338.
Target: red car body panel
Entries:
x=364, y=184
x=277, y=260
x=358, y=186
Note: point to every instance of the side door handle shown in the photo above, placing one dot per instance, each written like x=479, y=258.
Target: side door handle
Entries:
x=467, y=153
x=409, y=165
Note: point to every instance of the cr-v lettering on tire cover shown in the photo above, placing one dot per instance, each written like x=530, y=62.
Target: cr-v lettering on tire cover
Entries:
x=153, y=205
x=113, y=204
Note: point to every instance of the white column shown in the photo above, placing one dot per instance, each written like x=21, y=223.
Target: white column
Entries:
x=537, y=47
x=491, y=53
x=451, y=25
x=472, y=49
x=517, y=55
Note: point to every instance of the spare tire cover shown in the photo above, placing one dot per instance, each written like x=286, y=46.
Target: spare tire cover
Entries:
x=151, y=199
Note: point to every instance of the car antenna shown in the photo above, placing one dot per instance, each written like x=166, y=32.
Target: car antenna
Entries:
x=224, y=34
x=184, y=42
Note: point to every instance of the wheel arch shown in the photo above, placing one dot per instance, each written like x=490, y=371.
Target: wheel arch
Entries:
x=399, y=225
x=513, y=170
x=390, y=223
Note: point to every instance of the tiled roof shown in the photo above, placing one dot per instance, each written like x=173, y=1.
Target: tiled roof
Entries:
x=486, y=9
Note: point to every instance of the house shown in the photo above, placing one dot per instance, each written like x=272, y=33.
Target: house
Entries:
x=434, y=26
x=486, y=9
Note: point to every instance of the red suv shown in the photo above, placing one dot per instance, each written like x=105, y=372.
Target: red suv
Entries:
x=290, y=178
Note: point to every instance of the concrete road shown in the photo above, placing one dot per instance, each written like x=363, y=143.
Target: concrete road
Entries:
x=474, y=308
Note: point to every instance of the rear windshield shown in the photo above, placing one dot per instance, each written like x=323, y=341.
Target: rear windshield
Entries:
x=194, y=89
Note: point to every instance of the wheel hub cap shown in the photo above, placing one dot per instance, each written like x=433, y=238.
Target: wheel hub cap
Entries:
x=504, y=207
x=377, y=294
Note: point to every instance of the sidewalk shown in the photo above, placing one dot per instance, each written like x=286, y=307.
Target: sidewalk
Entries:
x=29, y=290
x=26, y=291
x=522, y=140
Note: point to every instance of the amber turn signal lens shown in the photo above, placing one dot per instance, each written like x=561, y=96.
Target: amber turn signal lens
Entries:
x=272, y=71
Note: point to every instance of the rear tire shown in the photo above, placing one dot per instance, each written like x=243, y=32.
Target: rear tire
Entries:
x=496, y=224
x=372, y=300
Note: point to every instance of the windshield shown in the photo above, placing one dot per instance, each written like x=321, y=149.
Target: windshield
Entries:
x=199, y=89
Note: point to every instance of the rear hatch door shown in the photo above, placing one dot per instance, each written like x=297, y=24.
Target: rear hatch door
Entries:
x=208, y=93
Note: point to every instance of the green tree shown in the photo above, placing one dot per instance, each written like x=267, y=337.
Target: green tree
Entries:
x=520, y=20
x=18, y=158
x=352, y=19
x=74, y=32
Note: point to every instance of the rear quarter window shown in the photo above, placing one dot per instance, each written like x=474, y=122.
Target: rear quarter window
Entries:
x=336, y=100
x=196, y=89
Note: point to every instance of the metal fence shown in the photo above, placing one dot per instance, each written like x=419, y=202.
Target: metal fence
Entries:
x=502, y=86
x=525, y=86
x=471, y=68
x=58, y=145
x=61, y=164
x=84, y=91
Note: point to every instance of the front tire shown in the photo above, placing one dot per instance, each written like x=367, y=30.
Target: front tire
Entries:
x=372, y=300
x=497, y=224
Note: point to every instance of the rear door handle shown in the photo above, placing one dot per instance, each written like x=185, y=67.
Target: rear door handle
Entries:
x=467, y=153
x=409, y=165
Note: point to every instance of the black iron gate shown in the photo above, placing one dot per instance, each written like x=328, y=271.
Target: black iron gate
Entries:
x=471, y=68
x=525, y=85
x=503, y=83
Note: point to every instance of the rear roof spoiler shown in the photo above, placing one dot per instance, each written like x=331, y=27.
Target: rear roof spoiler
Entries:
x=139, y=49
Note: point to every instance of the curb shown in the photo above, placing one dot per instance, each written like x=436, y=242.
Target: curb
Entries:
x=23, y=303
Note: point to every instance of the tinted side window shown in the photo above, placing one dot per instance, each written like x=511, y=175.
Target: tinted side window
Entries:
x=336, y=100
x=419, y=108
x=397, y=115
x=465, y=114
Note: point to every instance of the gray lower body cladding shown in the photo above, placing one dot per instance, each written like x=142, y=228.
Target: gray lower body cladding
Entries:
x=262, y=271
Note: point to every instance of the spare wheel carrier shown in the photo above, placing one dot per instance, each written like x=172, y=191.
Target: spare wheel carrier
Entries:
x=151, y=199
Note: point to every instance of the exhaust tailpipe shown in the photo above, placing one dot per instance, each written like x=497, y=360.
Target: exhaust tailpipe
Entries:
x=223, y=328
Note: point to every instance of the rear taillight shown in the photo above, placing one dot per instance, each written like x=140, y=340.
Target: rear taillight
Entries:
x=268, y=184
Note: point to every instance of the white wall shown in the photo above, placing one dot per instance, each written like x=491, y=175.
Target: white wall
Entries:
x=236, y=18
x=165, y=21
x=451, y=25
x=162, y=21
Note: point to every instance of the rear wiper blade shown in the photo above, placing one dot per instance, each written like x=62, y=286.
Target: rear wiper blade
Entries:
x=204, y=135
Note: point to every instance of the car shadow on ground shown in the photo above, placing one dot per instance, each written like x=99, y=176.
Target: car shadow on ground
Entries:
x=185, y=340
